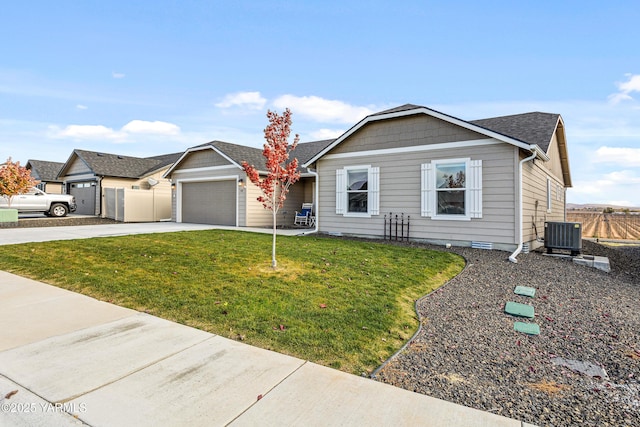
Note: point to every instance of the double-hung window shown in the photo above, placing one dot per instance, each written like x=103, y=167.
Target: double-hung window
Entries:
x=452, y=189
x=357, y=191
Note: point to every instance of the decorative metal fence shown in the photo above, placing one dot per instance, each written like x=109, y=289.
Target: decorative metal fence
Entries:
x=396, y=227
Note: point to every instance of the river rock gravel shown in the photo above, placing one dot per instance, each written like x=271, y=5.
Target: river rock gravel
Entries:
x=467, y=351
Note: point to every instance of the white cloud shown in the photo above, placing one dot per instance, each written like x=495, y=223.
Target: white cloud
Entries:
x=86, y=132
x=252, y=100
x=326, y=134
x=157, y=127
x=623, y=177
x=629, y=157
x=625, y=89
x=81, y=107
x=609, y=188
x=100, y=132
x=322, y=110
x=117, y=75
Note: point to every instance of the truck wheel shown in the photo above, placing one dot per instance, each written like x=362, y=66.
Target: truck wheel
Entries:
x=58, y=209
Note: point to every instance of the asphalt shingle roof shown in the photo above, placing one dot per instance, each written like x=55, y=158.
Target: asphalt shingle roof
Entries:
x=104, y=164
x=44, y=170
x=532, y=128
x=239, y=153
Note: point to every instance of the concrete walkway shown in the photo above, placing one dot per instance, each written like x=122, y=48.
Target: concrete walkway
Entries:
x=74, y=361
x=9, y=236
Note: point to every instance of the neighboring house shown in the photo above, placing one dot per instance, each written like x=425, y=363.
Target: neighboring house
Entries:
x=47, y=173
x=211, y=187
x=488, y=183
x=87, y=174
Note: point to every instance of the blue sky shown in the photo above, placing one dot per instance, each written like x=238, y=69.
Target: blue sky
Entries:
x=154, y=77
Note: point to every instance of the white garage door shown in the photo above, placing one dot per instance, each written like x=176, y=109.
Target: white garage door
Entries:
x=209, y=202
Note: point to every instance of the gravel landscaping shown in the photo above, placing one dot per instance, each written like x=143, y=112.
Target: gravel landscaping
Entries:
x=468, y=353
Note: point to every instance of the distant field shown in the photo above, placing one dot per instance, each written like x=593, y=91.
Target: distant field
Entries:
x=607, y=226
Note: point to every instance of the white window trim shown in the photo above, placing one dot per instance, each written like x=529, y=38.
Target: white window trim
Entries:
x=373, y=192
x=473, y=190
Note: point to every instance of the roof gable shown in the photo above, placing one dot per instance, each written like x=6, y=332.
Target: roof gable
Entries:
x=411, y=109
x=237, y=154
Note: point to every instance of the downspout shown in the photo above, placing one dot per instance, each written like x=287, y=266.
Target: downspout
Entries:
x=513, y=256
x=315, y=206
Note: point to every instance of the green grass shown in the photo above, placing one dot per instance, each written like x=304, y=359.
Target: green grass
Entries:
x=341, y=303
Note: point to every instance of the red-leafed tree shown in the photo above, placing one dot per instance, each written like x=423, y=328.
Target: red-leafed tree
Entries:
x=14, y=180
x=281, y=173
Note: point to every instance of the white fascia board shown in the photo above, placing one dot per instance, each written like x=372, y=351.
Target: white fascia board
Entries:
x=206, y=169
x=414, y=148
x=208, y=179
x=432, y=113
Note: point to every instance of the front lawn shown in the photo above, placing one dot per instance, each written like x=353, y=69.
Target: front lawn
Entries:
x=340, y=303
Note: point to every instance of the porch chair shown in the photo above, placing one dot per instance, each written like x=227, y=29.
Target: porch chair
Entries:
x=303, y=217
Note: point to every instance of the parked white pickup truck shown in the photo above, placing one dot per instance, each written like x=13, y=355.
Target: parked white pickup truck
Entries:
x=38, y=201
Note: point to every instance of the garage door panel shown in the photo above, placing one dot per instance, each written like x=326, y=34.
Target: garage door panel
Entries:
x=209, y=202
x=85, y=194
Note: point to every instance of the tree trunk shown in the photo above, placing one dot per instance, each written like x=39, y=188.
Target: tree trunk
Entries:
x=274, y=264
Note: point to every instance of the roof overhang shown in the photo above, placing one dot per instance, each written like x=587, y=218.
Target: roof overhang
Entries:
x=564, y=152
x=436, y=114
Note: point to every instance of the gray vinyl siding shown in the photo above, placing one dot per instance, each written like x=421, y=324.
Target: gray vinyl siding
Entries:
x=258, y=216
x=202, y=159
x=301, y=192
x=534, y=200
x=554, y=165
x=78, y=167
x=405, y=132
x=400, y=193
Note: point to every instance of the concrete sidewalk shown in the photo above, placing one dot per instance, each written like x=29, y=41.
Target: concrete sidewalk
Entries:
x=74, y=361
x=9, y=236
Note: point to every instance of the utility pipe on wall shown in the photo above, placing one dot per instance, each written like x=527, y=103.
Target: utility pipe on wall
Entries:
x=513, y=256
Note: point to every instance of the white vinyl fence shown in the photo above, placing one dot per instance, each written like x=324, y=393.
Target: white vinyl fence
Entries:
x=133, y=205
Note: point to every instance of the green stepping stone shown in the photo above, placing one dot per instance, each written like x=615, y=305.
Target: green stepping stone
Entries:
x=527, y=328
x=517, y=309
x=525, y=291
